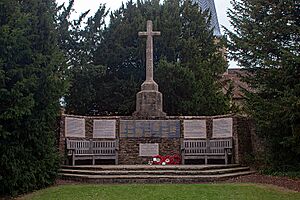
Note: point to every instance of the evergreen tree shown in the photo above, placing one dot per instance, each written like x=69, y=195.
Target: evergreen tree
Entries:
x=178, y=83
x=200, y=52
x=79, y=39
x=31, y=84
x=266, y=42
x=186, y=42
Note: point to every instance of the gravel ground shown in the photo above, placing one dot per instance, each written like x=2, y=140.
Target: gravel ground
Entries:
x=284, y=182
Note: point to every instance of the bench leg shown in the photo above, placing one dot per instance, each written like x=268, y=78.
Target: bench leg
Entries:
x=206, y=160
x=183, y=157
x=226, y=159
x=73, y=159
x=93, y=160
x=67, y=161
x=117, y=158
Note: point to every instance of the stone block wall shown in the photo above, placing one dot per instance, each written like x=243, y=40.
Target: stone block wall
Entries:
x=251, y=146
x=129, y=149
x=242, y=130
x=243, y=139
x=88, y=130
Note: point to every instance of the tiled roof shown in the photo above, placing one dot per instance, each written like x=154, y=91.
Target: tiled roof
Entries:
x=234, y=76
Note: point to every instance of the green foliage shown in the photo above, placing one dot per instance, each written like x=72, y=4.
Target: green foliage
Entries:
x=178, y=83
x=274, y=172
x=186, y=43
x=79, y=39
x=184, y=94
x=83, y=88
x=31, y=71
x=266, y=42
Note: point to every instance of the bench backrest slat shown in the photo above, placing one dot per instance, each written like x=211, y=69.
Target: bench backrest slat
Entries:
x=218, y=146
x=202, y=147
x=104, y=147
x=92, y=147
x=195, y=147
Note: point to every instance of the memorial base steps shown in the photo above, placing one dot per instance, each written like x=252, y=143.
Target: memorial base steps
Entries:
x=152, y=174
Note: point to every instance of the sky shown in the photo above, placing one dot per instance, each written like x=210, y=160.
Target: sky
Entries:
x=84, y=5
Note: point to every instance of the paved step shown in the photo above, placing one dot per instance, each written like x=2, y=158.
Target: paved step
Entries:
x=152, y=178
x=149, y=167
x=152, y=174
x=155, y=172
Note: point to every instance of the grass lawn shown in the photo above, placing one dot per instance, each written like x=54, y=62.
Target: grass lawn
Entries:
x=164, y=191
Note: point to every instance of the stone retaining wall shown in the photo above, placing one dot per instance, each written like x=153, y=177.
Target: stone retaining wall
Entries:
x=242, y=130
x=129, y=149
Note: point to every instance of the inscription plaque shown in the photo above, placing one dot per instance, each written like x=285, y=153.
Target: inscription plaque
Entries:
x=194, y=129
x=222, y=128
x=150, y=128
x=148, y=150
x=74, y=127
x=104, y=129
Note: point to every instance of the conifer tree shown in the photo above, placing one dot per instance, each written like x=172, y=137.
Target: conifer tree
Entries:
x=31, y=84
x=186, y=42
x=79, y=39
x=266, y=41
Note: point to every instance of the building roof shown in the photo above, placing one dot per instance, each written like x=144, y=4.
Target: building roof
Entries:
x=210, y=5
x=234, y=77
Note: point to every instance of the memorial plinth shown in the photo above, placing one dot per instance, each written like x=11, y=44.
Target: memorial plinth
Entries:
x=149, y=101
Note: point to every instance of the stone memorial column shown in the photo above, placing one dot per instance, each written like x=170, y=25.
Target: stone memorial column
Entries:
x=149, y=102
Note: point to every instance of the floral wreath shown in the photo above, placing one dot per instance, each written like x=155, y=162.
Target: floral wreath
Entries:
x=166, y=160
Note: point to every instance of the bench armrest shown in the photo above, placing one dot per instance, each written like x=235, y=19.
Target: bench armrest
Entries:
x=71, y=151
x=228, y=150
x=117, y=144
x=182, y=147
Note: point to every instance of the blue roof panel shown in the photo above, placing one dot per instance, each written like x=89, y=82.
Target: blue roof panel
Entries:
x=210, y=5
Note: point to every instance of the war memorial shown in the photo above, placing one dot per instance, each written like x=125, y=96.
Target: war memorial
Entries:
x=151, y=138
x=108, y=105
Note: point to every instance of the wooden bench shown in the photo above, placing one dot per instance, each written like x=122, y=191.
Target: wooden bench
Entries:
x=92, y=150
x=207, y=149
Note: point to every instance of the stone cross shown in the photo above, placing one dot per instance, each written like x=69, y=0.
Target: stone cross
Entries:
x=149, y=101
x=149, y=50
